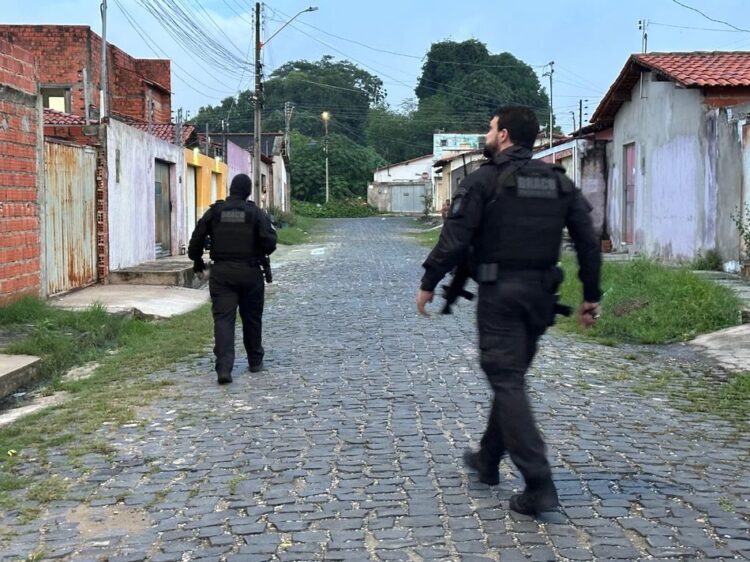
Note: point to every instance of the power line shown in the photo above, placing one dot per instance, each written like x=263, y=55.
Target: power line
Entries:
x=386, y=51
x=695, y=28
x=710, y=18
x=161, y=53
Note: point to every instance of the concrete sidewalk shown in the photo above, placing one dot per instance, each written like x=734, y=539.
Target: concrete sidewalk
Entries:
x=729, y=347
x=149, y=300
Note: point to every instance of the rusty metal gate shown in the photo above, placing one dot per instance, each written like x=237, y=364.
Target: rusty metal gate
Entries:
x=70, y=216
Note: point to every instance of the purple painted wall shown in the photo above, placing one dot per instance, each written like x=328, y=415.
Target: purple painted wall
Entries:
x=239, y=161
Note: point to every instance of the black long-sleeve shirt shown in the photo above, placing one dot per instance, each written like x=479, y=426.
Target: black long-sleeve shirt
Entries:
x=464, y=222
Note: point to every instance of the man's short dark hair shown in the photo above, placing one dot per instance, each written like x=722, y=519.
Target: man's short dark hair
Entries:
x=521, y=123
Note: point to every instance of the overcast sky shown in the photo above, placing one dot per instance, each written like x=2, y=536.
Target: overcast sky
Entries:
x=588, y=40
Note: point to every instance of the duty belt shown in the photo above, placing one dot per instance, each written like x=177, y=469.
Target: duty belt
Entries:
x=491, y=272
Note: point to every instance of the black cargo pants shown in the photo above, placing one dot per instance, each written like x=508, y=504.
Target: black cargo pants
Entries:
x=512, y=314
x=236, y=284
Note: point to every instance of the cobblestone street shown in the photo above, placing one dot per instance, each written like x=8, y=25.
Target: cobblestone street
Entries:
x=349, y=446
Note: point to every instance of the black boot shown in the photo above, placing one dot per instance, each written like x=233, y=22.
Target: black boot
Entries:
x=487, y=471
x=224, y=378
x=535, y=500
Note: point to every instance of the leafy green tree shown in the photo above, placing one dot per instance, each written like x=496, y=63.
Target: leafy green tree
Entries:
x=350, y=167
x=339, y=87
x=476, y=83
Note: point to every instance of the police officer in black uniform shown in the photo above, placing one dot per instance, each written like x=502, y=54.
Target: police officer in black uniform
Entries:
x=241, y=235
x=512, y=211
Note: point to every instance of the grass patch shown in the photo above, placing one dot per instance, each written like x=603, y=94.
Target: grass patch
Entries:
x=44, y=491
x=334, y=209
x=116, y=388
x=62, y=338
x=296, y=231
x=645, y=302
x=656, y=382
x=710, y=261
x=729, y=400
x=428, y=238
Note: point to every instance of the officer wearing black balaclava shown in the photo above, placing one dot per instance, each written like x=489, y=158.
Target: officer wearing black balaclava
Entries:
x=241, y=235
x=512, y=211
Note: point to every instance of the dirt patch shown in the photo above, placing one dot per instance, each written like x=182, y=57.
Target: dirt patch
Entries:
x=95, y=521
x=628, y=306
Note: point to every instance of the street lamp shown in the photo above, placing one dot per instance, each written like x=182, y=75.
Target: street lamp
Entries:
x=259, y=95
x=326, y=117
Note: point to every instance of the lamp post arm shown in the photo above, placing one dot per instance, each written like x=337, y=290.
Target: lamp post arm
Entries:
x=310, y=9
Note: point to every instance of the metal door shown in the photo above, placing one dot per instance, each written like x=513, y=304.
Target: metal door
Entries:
x=163, y=208
x=69, y=217
x=407, y=198
x=191, y=198
x=628, y=218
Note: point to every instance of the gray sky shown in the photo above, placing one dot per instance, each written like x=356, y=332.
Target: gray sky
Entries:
x=588, y=40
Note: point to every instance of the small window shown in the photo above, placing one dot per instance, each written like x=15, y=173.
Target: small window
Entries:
x=57, y=99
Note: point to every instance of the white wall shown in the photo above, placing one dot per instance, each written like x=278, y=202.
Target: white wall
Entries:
x=405, y=171
x=280, y=184
x=131, y=206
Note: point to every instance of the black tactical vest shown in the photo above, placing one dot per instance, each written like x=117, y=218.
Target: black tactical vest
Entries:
x=233, y=231
x=523, y=221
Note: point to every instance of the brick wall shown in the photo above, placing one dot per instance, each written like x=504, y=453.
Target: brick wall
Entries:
x=19, y=210
x=63, y=51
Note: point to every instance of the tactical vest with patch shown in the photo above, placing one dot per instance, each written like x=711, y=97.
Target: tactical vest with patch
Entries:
x=523, y=221
x=233, y=231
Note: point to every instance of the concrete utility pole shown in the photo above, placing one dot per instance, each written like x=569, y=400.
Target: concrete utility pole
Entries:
x=258, y=107
x=326, y=117
x=259, y=96
x=551, y=114
x=103, y=82
x=643, y=26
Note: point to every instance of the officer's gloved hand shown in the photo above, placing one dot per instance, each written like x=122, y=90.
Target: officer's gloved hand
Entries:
x=199, y=266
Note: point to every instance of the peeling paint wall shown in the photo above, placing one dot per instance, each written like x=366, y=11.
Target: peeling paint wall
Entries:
x=672, y=204
x=131, y=157
x=729, y=184
x=379, y=196
x=593, y=174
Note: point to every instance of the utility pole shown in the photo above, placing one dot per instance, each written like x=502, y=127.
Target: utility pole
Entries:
x=178, y=128
x=103, y=82
x=258, y=107
x=551, y=114
x=643, y=26
x=207, y=139
x=326, y=116
x=573, y=114
x=288, y=111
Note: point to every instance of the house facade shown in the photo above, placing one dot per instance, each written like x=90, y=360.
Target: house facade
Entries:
x=674, y=172
x=403, y=186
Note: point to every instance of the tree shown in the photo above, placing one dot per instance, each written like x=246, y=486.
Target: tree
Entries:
x=475, y=83
x=339, y=87
x=350, y=167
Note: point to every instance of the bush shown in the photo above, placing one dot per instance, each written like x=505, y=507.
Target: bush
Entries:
x=339, y=208
x=711, y=261
x=282, y=219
